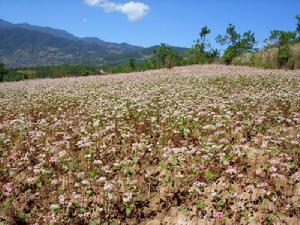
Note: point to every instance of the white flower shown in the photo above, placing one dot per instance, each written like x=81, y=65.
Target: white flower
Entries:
x=85, y=182
x=108, y=186
x=101, y=179
x=62, y=153
x=127, y=197
x=96, y=123
x=54, y=207
x=153, y=119
x=97, y=162
x=87, y=156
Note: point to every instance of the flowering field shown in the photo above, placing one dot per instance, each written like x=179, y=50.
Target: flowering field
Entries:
x=192, y=145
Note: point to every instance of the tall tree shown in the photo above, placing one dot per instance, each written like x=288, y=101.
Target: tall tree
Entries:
x=132, y=64
x=199, y=53
x=164, y=56
x=3, y=71
x=203, y=33
x=236, y=43
x=298, y=25
x=285, y=58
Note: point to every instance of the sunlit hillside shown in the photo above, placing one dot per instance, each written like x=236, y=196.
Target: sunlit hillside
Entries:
x=267, y=58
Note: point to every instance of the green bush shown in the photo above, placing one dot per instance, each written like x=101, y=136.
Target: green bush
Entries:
x=229, y=54
x=285, y=57
x=164, y=56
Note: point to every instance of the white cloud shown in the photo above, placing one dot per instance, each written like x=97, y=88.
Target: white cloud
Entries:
x=134, y=10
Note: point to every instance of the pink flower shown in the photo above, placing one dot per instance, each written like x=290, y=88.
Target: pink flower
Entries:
x=8, y=187
x=296, y=176
x=218, y=215
x=264, y=184
x=53, y=159
x=231, y=170
x=49, y=217
x=61, y=199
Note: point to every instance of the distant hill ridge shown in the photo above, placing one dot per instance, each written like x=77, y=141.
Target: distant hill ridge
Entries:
x=23, y=45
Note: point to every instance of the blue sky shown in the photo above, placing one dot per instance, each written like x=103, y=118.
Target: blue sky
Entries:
x=150, y=22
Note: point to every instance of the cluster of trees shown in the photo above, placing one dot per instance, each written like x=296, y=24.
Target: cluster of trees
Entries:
x=16, y=74
x=283, y=40
x=165, y=57
x=236, y=43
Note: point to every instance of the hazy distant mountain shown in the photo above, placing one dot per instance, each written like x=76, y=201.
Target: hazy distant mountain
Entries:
x=48, y=30
x=24, y=45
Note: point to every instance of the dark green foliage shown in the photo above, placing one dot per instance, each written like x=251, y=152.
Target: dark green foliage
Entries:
x=229, y=54
x=198, y=53
x=3, y=71
x=273, y=39
x=132, y=64
x=237, y=44
x=298, y=26
x=275, y=36
x=164, y=56
x=282, y=40
x=285, y=57
x=50, y=72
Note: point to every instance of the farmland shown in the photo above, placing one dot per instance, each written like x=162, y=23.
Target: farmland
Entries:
x=209, y=144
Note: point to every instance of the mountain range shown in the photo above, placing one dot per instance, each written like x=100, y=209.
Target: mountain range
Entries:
x=25, y=45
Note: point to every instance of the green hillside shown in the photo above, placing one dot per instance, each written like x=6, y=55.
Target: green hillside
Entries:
x=25, y=45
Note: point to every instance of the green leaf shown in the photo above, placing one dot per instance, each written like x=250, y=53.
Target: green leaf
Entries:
x=39, y=184
x=163, y=165
x=174, y=162
x=209, y=175
x=130, y=171
x=128, y=211
x=94, y=222
x=81, y=211
x=200, y=205
x=221, y=203
x=8, y=201
x=186, y=133
x=194, y=170
x=184, y=210
x=23, y=216
x=93, y=174
x=136, y=159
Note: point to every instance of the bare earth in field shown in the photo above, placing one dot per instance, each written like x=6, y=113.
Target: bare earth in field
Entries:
x=206, y=144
